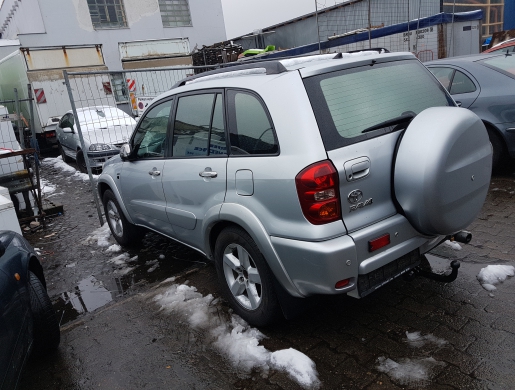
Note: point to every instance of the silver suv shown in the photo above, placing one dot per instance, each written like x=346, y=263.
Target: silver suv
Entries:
x=328, y=174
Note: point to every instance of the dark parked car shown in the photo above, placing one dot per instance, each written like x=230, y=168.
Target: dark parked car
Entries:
x=485, y=84
x=27, y=320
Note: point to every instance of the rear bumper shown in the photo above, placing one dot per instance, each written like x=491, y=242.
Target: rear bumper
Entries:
x=316, y=267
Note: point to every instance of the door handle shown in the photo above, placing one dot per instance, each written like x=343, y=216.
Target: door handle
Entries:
x=208, y=173
x=154, y=173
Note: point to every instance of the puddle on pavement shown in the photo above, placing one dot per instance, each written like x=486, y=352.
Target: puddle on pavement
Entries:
x=94, y=292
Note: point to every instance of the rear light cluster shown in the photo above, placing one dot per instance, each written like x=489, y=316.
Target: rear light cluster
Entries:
x=317, y=187
x=50, y=134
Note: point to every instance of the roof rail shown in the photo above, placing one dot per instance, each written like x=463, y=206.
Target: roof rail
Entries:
x=271, y=67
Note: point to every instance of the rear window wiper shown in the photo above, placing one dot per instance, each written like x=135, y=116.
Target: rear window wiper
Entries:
x=390, y=122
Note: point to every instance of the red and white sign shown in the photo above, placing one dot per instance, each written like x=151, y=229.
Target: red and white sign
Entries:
x=131, y=83
x=40, y=95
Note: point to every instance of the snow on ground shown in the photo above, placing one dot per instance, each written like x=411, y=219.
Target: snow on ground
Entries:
x=409, y=372
x=235, y=339
x=494, y=274
x=415, y=339
x=58, y=162
x=453, y=244
x=47, y=187
x=121, y=262
x=114, y=248
x=99, y=236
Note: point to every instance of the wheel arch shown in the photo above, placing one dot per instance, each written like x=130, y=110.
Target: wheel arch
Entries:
x=36, y=268
x=107, y=183
x=232, y=214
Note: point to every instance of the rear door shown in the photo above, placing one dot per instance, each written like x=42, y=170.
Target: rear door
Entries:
x=194, y=178
x=360, y=113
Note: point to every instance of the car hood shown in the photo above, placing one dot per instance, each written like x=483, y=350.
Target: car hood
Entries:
x=115, y=134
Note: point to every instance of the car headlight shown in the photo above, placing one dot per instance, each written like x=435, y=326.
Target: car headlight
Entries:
x=99, y=147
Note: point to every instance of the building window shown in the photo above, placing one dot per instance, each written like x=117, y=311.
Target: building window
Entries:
x=175, y=13
x=107, y=13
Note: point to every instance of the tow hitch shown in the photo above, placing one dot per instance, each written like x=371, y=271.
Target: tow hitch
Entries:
x=418, y=271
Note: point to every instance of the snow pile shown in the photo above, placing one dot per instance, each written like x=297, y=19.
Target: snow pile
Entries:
x=409, y=372
x=121, y=263
x=58, y=162
x=236, y=339
x=114, y=248
x=47, y=187
x=453, y=244
x=99, y=236
x=415, y=339
x=494, y=274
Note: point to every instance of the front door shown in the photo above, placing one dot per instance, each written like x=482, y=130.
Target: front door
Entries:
x=140, y=179
x=194, y=179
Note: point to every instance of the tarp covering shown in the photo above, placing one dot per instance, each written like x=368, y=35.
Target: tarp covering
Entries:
x=441, y=18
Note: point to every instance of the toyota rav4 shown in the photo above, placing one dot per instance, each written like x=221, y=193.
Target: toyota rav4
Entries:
x=328, y=174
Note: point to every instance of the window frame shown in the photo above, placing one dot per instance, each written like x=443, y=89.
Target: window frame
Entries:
x=231, y=111
x=214, y=92
x=133, y=156
x=189, y=14
x=101, y=26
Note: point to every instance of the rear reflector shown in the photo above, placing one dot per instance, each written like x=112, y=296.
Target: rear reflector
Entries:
x=342, y=283
x=378, y=243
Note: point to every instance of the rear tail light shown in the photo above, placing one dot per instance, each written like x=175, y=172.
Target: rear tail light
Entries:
x=317, y=187
x=50, y=134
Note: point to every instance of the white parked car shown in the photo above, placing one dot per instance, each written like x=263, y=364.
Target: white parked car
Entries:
x=105, y=129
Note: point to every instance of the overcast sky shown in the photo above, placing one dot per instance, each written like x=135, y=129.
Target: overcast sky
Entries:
x=244, y=16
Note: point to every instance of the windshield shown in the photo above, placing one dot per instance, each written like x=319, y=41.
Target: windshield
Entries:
x=356, y=104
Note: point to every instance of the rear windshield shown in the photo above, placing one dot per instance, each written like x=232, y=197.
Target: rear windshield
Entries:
x=347, y=102
x=504, y=63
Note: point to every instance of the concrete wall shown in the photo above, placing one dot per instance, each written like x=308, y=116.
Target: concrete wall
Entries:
x=68, y=22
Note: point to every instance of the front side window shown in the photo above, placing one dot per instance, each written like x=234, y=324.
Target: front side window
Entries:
x=251, y=131
x=353, y=105
x=175, y=13
x=461, y=84
x=199, y=126
x=150, y=138
x=107, y=13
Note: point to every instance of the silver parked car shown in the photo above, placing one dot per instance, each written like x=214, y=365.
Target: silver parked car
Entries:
x=328, y=174
x=105, y=129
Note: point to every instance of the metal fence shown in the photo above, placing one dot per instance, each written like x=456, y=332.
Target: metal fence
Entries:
x=106, y=106
x=19, y=164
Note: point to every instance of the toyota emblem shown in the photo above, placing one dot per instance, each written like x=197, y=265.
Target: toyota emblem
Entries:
x=355, y=196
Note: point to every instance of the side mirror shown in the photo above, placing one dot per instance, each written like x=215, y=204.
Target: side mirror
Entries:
x=125, y=151
x=67, y=127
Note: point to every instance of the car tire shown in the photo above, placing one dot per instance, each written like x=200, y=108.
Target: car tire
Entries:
x=124, y=232
x=499, y=150
x=243, y=272
x=46, y=325
x=65, y=158
x=81, y=162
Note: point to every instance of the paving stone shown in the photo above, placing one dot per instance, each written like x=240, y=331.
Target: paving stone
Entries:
x=359, y=376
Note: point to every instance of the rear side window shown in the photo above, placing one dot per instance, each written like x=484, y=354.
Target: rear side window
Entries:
x=503, y=63
x=444, y=75
x=348, y=102
x=462, y=84
x=251, y=130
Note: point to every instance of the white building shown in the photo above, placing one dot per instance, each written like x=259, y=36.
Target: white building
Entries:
x=116, y=25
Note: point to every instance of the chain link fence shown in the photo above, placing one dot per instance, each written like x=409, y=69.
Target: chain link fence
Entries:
x=106, y=106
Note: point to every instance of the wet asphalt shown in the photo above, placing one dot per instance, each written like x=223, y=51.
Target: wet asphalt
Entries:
x=115, y=337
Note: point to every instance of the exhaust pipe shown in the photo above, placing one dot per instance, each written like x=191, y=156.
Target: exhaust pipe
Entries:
x=463, y=237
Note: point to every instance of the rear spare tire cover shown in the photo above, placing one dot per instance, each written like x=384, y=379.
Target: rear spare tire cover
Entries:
x=442, y=170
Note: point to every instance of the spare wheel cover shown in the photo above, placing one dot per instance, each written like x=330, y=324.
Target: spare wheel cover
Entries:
x=442, y=170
